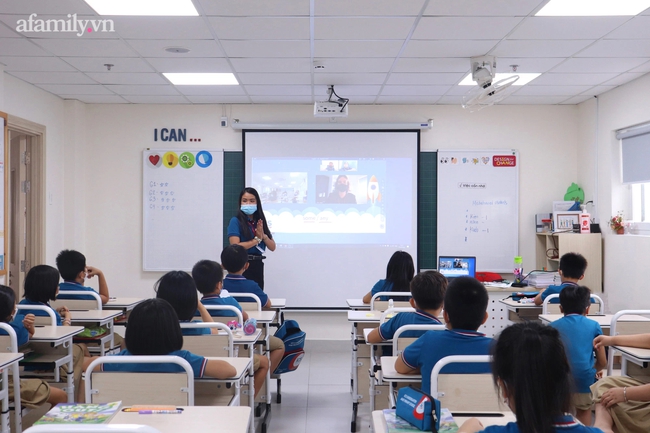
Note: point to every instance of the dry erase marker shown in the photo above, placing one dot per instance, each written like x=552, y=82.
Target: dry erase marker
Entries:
x=153, y=412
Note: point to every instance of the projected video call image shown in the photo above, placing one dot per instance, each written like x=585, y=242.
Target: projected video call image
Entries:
x=338, y=165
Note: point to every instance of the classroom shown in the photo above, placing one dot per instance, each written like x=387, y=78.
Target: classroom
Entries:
x=399, y=63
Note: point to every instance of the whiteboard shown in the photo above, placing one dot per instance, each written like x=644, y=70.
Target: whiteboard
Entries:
x=478, y=206
x=182, y=192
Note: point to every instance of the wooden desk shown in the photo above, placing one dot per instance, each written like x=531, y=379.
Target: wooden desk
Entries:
x=629, y=324
x=124, y=304
x=498, y=418
x=366, y=316
x=103, y=318
x=357, y=304
x=195, y=419
x=518, y=312
x=7, y=361
x=278, y=304
x=635, y=355
x=47, y=337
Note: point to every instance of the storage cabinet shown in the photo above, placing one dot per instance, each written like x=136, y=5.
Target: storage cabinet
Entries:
x=551, y=246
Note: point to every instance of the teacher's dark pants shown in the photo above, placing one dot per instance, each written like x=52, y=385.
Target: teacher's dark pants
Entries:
x=255, y=271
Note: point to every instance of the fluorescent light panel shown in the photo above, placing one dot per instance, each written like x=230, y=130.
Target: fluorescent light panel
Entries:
x=592, y=8
x=201, y=79
x=144, y=7
x=524, y=78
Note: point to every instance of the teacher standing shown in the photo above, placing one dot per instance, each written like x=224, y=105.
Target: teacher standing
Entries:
x=250, y=230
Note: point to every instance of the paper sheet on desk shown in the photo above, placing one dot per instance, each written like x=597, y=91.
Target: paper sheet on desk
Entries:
x=498, y=285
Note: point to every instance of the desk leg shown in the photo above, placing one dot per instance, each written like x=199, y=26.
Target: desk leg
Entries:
x=70, y=378
x=355, y=380
x=5, y=400
x=18, y=421
x=267, y=411
x=251, y=390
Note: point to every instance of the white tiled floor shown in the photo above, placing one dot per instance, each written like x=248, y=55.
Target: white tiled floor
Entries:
x=316, y=397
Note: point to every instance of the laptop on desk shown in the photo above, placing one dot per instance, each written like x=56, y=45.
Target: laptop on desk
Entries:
x=457, y=266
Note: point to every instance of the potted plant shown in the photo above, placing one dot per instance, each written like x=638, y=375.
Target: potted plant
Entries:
x=616, y=223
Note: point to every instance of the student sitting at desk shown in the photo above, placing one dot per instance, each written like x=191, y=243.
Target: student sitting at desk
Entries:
x=531, y=371
x=464, y=311
x=33, y=392
x=572, y=269
x=208, y=277
x=428, y=290
x=399, y=273
x=621, y=401
x=578, y=333
x=72, y=267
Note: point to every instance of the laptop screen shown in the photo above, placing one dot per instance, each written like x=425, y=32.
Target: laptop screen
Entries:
x=454, y=266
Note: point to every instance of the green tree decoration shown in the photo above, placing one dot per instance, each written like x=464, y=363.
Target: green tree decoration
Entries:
x=574, y=193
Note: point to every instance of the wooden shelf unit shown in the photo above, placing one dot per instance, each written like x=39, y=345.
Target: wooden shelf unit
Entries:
x=589, y=245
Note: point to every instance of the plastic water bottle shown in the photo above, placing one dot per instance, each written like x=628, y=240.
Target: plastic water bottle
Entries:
x=391, y=303
x=519, y=269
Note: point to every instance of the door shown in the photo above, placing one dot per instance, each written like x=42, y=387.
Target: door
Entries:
x=20, y=211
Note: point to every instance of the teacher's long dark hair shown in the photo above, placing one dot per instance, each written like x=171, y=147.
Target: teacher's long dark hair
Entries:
x=243, y=219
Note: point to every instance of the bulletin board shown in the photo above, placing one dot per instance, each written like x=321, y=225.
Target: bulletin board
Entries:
x=182, y=202
x=478, y=206
x=4, y=149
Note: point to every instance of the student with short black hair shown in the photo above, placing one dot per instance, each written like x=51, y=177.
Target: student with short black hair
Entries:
x=399, y=273
x=533, y=376
x=208, y=276
x=465, y=310
x=73, y=270
x=572, y=269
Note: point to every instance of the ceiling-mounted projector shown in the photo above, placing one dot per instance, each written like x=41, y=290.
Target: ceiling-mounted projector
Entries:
x=332, y=107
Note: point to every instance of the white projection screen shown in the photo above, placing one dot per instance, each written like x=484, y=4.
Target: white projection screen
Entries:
x=333, y=241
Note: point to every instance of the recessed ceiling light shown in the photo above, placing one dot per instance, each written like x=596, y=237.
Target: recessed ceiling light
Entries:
x=524, y=78
x=201, y=79
x=144, y=7
x=587, y=8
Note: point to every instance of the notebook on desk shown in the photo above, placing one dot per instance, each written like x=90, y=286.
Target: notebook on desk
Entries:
x=457, y=266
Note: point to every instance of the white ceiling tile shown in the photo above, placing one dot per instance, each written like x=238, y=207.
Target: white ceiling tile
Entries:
x=265, y=78
x=349, y=79
x=156, y=48
x=450, y=100
x=120, y=64
x=282, y=99
x=480, y=8
x=414, y=90
x=218, y=99
x=617, y=48
x=566, y=27
x=71, y=89
x=250, y=8
x=532, y=100
x=263, y=28
x=598, y=90
x=352, y=92
x=464, y=49
x=53, y=77
x=44, y=7
x=408, y=100
x=430, y=79
x=551, y=79
x=266, y=48
x=362, y=100
x=139, y=90
x=358, y=64
x=20, y=47
x=97, y=99
x=131, y=27
x=539, y=48
x=148, y=99
x=267, y=90
x=643, y=68
x=85, y=47
x=9, y=31
x=189, y=64
x=527, y=64
x=367, y=8
x=464, y=27
x=435, y=64
x=551, y=90
x=589, y=65
x=211, y=90
x=263, y=65
x=462, y=91
x=576, y=100
x=624, y=78
x=362, y=28
x=35, y=64
x=144, y=78
x=636, y=28
x=324, y=49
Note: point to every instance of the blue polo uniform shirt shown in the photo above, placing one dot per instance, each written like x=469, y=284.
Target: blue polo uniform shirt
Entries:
x=563, y=424
x=71, y=285
x=40, y=313
x=555, y=290
x=419, y=317
x=431, y=347
x=239, y=284
x=22, y=334
x=195, y=331
x=197, y=362
x=218, y=300
x=234, y=229
x=578, y=333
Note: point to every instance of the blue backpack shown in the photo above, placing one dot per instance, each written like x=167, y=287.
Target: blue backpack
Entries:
x=294, y=343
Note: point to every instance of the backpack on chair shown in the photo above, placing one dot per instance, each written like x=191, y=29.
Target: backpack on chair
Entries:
x=294, y=343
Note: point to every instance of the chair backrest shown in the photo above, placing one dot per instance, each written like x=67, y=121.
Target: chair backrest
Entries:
x=9, y=342
x=140, y=388
x=224, y=319
x=379, y=305
x=78, y=304
x=220, y=344
x=248, y=306
x=40, y=320
x=625, y=328
x=399, y=342
x=464, y=392
x=548, y=308
x=90, y=428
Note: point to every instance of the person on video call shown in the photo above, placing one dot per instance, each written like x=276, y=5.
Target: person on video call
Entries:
x=341, y=192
